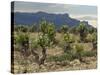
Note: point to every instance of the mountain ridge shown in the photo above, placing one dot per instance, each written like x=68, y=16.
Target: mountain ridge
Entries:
x=24, y=18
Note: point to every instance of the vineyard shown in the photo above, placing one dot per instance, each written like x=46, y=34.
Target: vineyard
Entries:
x=46, y=48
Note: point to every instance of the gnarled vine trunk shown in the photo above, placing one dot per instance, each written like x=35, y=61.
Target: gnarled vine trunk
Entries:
x=39, y=60
x=36, y=56
x=43, y=56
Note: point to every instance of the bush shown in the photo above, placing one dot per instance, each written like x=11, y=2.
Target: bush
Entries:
x=82, y=31
x=89, y=53
x=88, y=38
x=79, y=48
x=21, y=37
x=64, y=57
x=71, y=55
x=79, y=52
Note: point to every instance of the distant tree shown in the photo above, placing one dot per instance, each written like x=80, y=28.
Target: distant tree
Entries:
x=68, y=40
x=73, y=30
x=21, y=28
x=33, y=28
x=82, y=31
x=94, y=40
x=64, y=28
x=92, y=30
x=88, y=38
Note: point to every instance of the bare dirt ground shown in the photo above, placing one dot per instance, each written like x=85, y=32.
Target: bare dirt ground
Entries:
x=90, y=63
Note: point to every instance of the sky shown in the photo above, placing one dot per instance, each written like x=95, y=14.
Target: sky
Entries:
x=81, y=12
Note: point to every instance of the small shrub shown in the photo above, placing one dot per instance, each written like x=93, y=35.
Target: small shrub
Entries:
x=82, y=31
x=88, y=38
x=79, y=52
x=89, y=53
x=79, y=48
x=67, y=41
x=64, y=57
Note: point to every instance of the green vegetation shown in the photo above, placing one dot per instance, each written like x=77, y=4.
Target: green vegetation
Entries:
x=44, y=44
x=70, y=56
x=64, y=28
x=82, y=31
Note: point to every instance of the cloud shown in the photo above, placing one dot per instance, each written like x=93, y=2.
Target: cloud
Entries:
x=81, y=12
x=85, y=17
x=92, y=19
x=93, y=23
x=54, y=8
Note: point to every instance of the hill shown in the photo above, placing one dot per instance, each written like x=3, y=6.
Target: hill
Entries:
x=57, y=19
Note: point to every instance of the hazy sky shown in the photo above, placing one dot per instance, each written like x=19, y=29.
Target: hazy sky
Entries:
x=81, y=12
